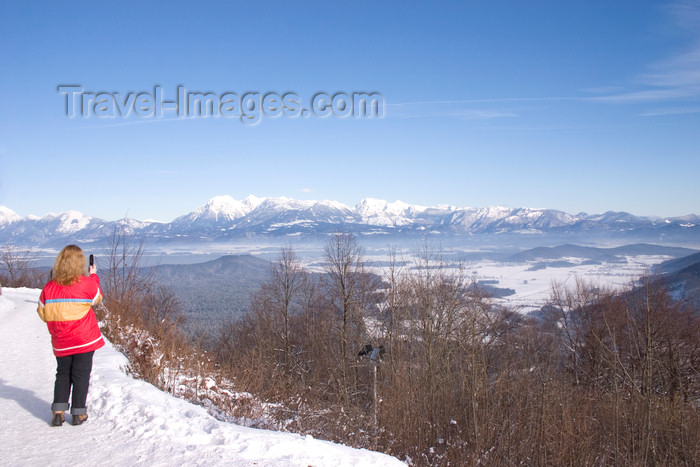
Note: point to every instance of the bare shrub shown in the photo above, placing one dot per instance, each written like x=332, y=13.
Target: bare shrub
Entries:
x=140, y=317
x=16, y=268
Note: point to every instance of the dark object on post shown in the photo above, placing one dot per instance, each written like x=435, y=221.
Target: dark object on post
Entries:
x=373, y=352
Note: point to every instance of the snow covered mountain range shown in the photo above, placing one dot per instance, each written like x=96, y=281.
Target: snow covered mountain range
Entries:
x=224, y=218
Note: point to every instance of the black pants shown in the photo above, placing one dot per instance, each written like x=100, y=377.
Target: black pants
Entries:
x=72, y=371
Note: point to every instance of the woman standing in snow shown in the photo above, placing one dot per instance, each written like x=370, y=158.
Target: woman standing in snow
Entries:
x=65, y=304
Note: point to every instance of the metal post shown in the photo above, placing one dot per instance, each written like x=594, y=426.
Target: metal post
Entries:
x=373, y=358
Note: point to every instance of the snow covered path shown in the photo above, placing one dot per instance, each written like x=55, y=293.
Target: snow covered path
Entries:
x=131, y=422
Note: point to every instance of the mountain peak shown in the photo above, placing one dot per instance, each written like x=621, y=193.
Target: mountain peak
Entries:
x=253, y=201
x=222, y=200
x=7, y=215
x=380, y=212
x=220, y=208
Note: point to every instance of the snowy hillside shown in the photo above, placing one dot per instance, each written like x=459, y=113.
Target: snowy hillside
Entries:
x=131, y=422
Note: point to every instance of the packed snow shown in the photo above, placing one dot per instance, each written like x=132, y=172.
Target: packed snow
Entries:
x=131, y=422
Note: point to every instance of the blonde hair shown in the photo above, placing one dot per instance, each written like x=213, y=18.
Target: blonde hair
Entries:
x=69, y=265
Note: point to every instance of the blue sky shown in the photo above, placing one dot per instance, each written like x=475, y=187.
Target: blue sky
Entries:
x=578, y=106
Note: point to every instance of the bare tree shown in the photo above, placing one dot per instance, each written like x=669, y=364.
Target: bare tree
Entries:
x=16, y=268
x=287, y=280
x=573, y=307
x=344, y=271
x=392, y=305
x=126, y=283
x=143, y=318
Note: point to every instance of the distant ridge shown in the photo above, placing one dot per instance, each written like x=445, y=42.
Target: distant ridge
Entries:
x=224, y=218
x=676, y=265
x=598, y=254
x=682, y=277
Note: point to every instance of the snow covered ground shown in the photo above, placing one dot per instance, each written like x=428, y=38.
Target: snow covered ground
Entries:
x=131, y=422
x=532, y=282
x=533, y=286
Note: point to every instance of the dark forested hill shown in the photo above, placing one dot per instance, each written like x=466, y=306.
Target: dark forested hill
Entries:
x=211, y=292
x=610, y=255
x=682, y=276
x=674, y=265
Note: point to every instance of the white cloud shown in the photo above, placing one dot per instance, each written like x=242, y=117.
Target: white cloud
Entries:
x=671, y=111
x=676, y=77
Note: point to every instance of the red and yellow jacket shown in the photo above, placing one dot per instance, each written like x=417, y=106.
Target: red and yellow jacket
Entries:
x=67, y=311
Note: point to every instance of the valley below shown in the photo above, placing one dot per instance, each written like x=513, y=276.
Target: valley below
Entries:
x=215, y=283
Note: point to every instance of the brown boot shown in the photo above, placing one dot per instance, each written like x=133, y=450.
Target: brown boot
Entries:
x=79, y=419
x=58, y=418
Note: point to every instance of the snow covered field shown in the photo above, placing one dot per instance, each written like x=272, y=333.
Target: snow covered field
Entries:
x=532, y=283
x=131, y=422
x=533, y=286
